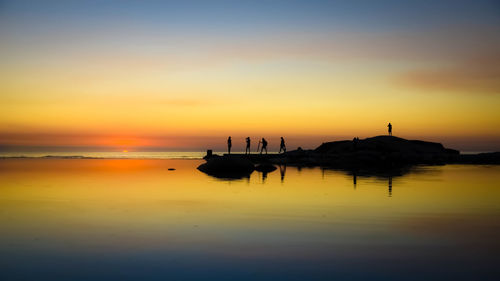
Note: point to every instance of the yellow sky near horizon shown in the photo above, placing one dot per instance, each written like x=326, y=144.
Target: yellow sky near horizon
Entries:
x=288, y=98
x=149, y=85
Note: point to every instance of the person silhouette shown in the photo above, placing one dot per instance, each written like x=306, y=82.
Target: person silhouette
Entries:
x=229, y=144
x=247, y=149
x=389, y=128
x=264, y=145
x=282, y=145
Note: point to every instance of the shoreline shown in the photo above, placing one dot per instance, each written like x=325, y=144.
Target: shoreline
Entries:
x=78, y=157
x=376, y=155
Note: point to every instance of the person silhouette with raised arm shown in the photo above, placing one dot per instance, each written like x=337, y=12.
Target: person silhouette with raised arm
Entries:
x=247, y=149
x=282, y=145
x=389, y=128
x=264, y=145
x=229, y=144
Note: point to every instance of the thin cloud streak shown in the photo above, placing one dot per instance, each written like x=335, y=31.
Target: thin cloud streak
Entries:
x=474, y=76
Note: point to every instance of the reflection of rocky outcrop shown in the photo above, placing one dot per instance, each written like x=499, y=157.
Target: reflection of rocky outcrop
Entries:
x=234, y=167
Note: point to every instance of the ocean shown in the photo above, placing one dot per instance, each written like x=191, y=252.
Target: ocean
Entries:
x=137, y=219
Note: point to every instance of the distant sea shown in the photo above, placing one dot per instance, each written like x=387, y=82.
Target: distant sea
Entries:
x=128, y=155
x=109, y=155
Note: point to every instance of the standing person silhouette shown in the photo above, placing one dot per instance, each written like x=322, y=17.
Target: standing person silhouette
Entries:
x=229, y=144
x=247, y=150
x=389, y=128
x=282, y=145
x=264, y=145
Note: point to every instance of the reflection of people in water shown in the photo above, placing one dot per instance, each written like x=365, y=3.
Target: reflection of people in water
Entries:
x=264, y=145
x=247, y=150
x=282, y=145
x=229, y=144
x=264, y=177
x=390, y=186
x=282, y=172
x=389, y=128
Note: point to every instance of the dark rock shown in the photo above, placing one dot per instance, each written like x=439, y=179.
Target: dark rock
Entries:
x=377, y=154
x=452, y=151
x=481, y=158
x=210, y=155
x=300, y=157
x=265, y=168
x=335, y=147
x=382, y=151
x=232, y=167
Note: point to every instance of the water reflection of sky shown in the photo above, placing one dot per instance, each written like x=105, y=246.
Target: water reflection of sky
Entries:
x=135, y=220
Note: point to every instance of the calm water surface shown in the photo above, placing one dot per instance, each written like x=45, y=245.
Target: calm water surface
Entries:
x=96, y=219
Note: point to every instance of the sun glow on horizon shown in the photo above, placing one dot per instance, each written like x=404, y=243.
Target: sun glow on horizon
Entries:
x=302, y=70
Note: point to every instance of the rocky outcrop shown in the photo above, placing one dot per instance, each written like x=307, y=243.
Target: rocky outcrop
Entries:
x=492, y=158
x=265, y=168
x=377, y=154
x=380, y=151
x=227, y=166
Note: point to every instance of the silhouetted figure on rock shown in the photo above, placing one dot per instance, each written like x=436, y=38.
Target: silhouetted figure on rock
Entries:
x=282, y=145
x=247, y=149
x=264, y=145
x=355, y=143
x=229, y=144
x=389, y=128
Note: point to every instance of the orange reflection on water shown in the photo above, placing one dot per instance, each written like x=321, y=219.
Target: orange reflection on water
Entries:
x=123, y=205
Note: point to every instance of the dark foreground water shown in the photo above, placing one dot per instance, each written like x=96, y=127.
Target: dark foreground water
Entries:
x=135, y=220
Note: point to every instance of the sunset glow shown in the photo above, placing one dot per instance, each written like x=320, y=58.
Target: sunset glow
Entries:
x=249, y=140
x=163, y=76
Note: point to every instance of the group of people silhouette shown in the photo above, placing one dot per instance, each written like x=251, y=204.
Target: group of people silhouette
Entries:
x=263, y=143
x=261, y=146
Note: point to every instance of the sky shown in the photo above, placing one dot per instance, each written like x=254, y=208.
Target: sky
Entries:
x=184, y=75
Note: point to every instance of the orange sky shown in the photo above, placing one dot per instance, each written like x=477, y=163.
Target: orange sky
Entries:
x=123, y=81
